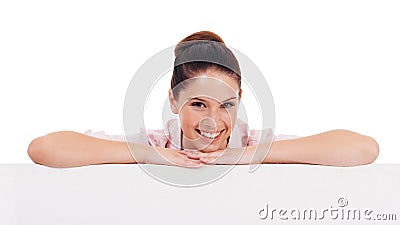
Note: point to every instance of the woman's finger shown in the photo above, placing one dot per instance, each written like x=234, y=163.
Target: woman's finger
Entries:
x=199, y=154
x=191, y=154
x=210, y=160
x=191, y=163
x=183, y=160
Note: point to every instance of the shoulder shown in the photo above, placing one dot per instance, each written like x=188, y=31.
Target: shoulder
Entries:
x=285, y=137
x=168, y=137
x=243, y=136
x=151, y=137
x=104, y=135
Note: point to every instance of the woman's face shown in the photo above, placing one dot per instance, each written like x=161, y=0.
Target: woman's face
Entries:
x=207, y=106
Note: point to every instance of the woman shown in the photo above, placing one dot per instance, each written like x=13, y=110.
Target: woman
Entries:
x=206, y=96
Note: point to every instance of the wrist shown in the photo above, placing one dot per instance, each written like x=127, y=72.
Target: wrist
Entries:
x=259, y=152
x=139, y=152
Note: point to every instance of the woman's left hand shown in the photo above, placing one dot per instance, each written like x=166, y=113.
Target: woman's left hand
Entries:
x=227, y=156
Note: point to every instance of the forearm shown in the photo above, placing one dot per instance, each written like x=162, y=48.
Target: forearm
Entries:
x=336, y=147
x=71, y=149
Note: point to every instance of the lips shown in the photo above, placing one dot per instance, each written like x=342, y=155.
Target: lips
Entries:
x=209, y=134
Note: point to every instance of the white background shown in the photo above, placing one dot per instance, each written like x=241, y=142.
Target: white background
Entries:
x=67, y=65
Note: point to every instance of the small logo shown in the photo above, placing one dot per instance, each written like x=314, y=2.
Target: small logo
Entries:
x=342, y=202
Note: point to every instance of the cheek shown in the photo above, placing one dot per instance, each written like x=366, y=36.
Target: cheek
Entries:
x=230, y=117
x=189, y=118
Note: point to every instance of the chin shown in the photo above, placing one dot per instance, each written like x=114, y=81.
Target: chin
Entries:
x=210, y=148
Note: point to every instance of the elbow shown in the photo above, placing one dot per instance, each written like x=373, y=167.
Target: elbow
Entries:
x=37, y=150
x=40, y=152
x=365, y=150
x=362, y=149
x=369, y=150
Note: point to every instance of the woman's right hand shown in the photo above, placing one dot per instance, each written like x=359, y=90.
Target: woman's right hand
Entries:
x=166, y=156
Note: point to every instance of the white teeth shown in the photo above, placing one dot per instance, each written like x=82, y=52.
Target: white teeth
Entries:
x=209, y=135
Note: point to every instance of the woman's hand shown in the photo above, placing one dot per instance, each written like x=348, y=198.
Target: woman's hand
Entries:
x=227, y=156
x=172, y=157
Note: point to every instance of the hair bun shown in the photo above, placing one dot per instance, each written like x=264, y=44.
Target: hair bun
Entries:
x=198, y=37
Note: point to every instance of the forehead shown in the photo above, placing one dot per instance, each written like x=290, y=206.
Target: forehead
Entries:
x=218, y=88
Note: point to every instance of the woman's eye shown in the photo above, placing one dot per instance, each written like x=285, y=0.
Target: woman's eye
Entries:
x=198, y=104
x=227, y=105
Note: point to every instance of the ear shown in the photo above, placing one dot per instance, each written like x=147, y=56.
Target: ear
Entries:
x=240, y=94
x=172, y=102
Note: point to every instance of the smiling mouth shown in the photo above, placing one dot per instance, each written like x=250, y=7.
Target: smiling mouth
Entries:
x=209, y=135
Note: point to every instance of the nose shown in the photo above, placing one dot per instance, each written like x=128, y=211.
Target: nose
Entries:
x=208, y=124
x=212, y=120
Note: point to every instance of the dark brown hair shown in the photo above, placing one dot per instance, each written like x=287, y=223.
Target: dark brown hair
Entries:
x=199, y=52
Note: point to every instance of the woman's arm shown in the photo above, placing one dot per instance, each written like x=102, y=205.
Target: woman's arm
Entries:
x=335, y=148
x=71, y=149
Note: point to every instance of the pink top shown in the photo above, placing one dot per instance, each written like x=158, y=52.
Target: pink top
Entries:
x=170, y=138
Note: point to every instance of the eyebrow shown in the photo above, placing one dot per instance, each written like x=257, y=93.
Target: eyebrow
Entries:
x=196, y=98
